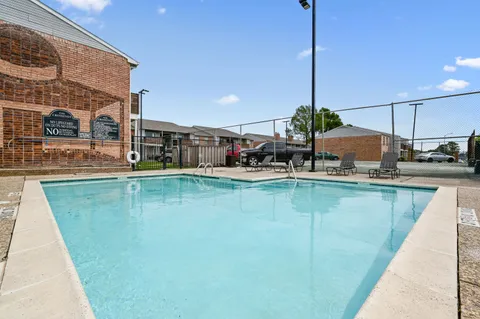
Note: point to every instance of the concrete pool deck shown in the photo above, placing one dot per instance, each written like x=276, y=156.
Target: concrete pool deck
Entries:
x=40, y=279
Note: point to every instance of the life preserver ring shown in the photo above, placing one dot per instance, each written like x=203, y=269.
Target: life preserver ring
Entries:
x=136, y=157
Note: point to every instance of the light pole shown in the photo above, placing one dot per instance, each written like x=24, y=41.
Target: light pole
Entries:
x=140, y=95
x=413, y=134
x=286, y=132
x=305, y=5
x=445, y=143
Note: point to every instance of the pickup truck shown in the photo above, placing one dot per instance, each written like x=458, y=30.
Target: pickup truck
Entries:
x=236, y=152
x=254, y=156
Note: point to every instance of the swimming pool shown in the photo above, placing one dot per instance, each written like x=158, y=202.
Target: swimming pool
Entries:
x=184, y=247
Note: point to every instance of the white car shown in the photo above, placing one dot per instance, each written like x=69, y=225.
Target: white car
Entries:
x=434, y=157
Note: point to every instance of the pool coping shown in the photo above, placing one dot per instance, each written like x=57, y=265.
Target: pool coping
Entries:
x=40, y=279
x=421, y=280
x=403, y=291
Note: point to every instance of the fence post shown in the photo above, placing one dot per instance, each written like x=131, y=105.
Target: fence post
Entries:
x=164, y=152
x=240, y=150
x=393, y=127
x=323, y=143
x=180, y=151
x=274, y=146
x=133, y=149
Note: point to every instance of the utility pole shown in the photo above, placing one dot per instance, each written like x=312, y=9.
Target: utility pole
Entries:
x=413, y=133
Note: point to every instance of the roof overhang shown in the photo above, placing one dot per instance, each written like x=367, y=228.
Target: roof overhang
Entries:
x=133, y=63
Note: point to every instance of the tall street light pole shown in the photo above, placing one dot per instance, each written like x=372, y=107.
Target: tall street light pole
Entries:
x=140, y=95
x=306, y=6
x=413, y=133
x=286, y=132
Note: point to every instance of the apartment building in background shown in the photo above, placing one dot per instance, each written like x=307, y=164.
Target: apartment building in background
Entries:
x=369, y=145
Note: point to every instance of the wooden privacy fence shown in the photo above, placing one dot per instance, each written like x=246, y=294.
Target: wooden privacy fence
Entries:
x=194, y=155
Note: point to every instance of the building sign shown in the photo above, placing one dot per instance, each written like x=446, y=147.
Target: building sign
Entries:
x=105, y=128
x=60, y=123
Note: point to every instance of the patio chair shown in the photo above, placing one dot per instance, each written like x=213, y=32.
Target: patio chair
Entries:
x=296, y=161
x=388, y=165
x=347, y=165
x=264, y=165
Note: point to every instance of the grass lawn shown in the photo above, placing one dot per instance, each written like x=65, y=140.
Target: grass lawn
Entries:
x=154, y=166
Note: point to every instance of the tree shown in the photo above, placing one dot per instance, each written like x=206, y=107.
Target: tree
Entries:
x=288, y=132
x=450, y=148
x=332, y=120
x=302, y=121
x=453, y=147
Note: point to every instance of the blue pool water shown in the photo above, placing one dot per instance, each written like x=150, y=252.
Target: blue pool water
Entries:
x=180, y=247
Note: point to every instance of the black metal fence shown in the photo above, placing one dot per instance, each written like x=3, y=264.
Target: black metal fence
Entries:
x=171, y=151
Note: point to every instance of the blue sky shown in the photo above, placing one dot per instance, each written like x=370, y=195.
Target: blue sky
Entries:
x=219, y=62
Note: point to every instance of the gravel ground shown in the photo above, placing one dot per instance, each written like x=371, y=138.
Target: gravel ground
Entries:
x=469, y=257
x=10, y=187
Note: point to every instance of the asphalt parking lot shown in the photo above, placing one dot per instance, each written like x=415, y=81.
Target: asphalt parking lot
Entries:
x=458, y=170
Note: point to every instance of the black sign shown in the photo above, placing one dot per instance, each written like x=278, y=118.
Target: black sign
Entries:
x=105, y=128
x=60, y=123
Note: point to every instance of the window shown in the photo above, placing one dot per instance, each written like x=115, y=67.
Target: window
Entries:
x=279, y=146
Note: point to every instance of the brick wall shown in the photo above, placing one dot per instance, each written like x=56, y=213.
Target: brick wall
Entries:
x=134, y=101
x=367, y=148
x=40, y=73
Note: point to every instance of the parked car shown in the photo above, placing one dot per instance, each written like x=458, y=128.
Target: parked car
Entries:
x=434, y=157
x=168, y=157
x=327, y=155
x=236, y=152
x=253, y=156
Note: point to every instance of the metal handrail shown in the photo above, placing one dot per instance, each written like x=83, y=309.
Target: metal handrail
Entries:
x=198, y=167
x=290, y=166
x=208, y=165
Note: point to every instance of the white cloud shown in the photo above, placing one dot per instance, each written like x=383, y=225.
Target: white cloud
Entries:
x=449, y=68
x=453, y=85
x=88, y=20
x=228, y=99
x=424, y=88
x=308, y=52
x=161, y=10
x=403, y=94
x=472, y=63
x=86, y=5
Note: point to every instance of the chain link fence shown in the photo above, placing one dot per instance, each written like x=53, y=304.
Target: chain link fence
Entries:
x=433, y=136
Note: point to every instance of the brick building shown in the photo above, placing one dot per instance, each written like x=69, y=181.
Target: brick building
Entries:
x=369, y=145
x=257, y=139
x=64, y=93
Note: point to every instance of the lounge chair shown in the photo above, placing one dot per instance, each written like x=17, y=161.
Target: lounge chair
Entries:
x=264, y=165
x=347, y=165
x=388, y=165
x=296, y=161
